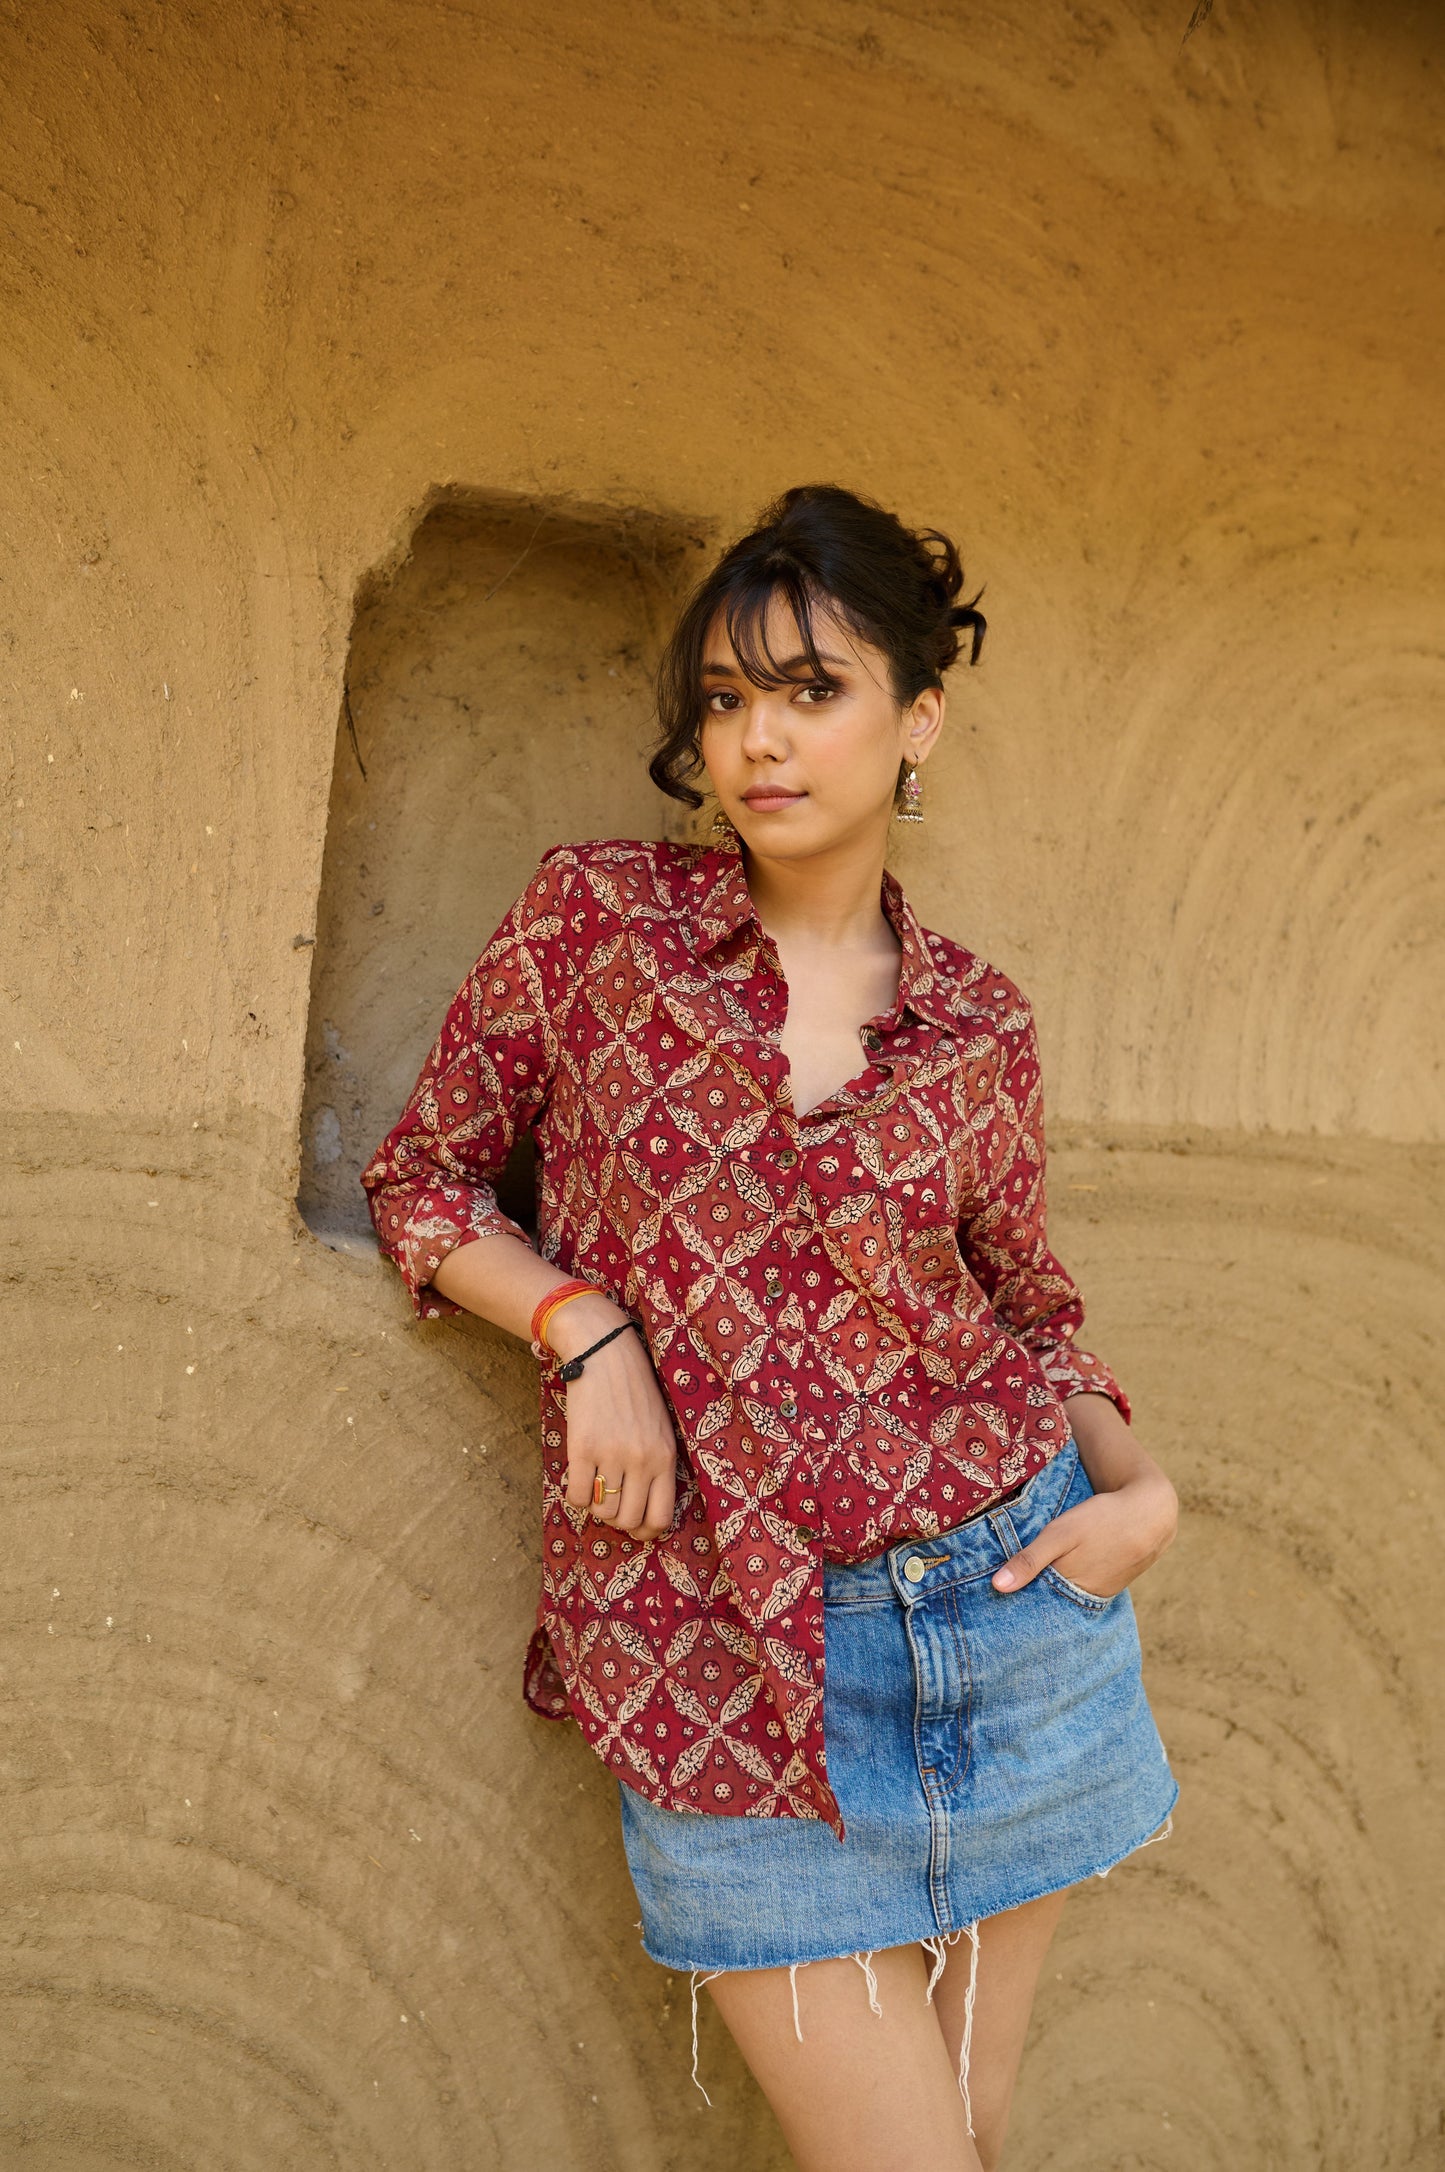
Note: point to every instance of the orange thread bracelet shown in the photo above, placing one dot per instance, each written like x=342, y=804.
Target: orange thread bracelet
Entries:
x=552, y=1302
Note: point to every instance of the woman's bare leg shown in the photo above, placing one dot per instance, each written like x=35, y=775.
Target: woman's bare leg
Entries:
x=861, y=2092
x=1011, y=1949
x=865, y=2092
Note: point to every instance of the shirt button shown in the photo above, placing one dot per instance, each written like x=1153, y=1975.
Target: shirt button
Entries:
x=789, y=1409
x=806, y=1533
x=872, y=1040
x=786, y=1157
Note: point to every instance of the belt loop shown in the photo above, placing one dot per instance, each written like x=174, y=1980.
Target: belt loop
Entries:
x=1003, y=1525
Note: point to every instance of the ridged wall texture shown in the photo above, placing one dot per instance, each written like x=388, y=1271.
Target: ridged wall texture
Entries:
x=305, y=308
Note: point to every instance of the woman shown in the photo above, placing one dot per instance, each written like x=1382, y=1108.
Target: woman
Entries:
x=838, y=1523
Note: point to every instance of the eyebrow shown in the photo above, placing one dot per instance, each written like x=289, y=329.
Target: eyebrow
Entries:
x=790, y=663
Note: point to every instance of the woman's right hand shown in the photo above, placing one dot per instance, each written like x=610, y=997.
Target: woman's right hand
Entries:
x=618, y=1422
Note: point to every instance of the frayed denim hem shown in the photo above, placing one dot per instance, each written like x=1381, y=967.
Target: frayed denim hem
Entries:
x=935, y=1943
x=937, y=1947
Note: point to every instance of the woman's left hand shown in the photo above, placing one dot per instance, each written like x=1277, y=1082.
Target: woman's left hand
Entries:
x=1103, y=1543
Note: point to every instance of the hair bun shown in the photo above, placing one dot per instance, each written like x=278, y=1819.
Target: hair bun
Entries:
x=964, y=614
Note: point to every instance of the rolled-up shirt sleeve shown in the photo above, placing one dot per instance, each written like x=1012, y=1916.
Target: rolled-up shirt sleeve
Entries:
x=431, y=1184
x=1004, y=1239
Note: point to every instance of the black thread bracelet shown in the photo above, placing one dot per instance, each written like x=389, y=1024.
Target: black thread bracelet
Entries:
x=572, y=1370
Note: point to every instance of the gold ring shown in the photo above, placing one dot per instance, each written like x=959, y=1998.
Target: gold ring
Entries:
x=600, y=1491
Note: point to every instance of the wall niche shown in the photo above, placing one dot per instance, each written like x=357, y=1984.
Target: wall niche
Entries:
x=498, y=701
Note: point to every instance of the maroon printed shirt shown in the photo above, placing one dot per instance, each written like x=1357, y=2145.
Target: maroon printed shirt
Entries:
x=855, y=1315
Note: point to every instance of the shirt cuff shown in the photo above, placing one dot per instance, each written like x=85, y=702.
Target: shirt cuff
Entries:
x=417, y=1234
x=1077, y=1372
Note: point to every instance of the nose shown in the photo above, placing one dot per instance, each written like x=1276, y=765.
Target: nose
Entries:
x=764, y=737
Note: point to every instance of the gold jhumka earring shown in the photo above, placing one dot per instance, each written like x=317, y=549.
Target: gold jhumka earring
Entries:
x=722, y=827
x=911, y=809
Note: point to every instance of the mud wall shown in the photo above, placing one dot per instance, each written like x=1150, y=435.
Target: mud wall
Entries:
x=303, y=307
x=497, y=698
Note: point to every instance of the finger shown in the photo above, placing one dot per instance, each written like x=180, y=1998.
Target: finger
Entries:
x=631, y=1502
x=603, y=1511
x=1020, y=1569
x=661, y=1501
x=578, y=1492
x=577, y=1489
x=1057, y=1536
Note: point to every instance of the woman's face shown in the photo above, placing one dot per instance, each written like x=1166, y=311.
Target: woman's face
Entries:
x=804, y=767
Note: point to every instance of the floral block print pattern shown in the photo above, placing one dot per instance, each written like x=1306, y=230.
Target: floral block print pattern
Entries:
x=855, y=1315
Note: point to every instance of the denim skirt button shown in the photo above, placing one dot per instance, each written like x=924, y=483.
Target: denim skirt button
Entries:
x=915, y=1570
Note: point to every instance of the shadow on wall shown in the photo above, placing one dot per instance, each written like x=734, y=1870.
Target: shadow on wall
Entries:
x=499, y=700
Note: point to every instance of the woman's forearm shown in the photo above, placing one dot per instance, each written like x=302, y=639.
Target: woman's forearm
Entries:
x=1108, y=1449
x=619, y=1424
x=502, y=1279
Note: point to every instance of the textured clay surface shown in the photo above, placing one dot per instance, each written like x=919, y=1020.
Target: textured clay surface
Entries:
x=418, y=351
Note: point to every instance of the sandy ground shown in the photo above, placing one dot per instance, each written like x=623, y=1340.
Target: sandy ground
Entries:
x=310, y=315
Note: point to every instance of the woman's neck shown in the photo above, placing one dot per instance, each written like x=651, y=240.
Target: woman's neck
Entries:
x=828, y=901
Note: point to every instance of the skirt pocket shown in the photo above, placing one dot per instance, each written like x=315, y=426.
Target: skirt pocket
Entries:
x=1092, y=1602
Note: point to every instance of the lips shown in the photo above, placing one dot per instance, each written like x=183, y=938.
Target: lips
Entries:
x=765, y=799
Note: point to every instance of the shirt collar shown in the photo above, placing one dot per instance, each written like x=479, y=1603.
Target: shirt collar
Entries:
x=723, y=904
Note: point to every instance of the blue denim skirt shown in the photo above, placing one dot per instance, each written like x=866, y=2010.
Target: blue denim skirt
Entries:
x=985, y=1747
